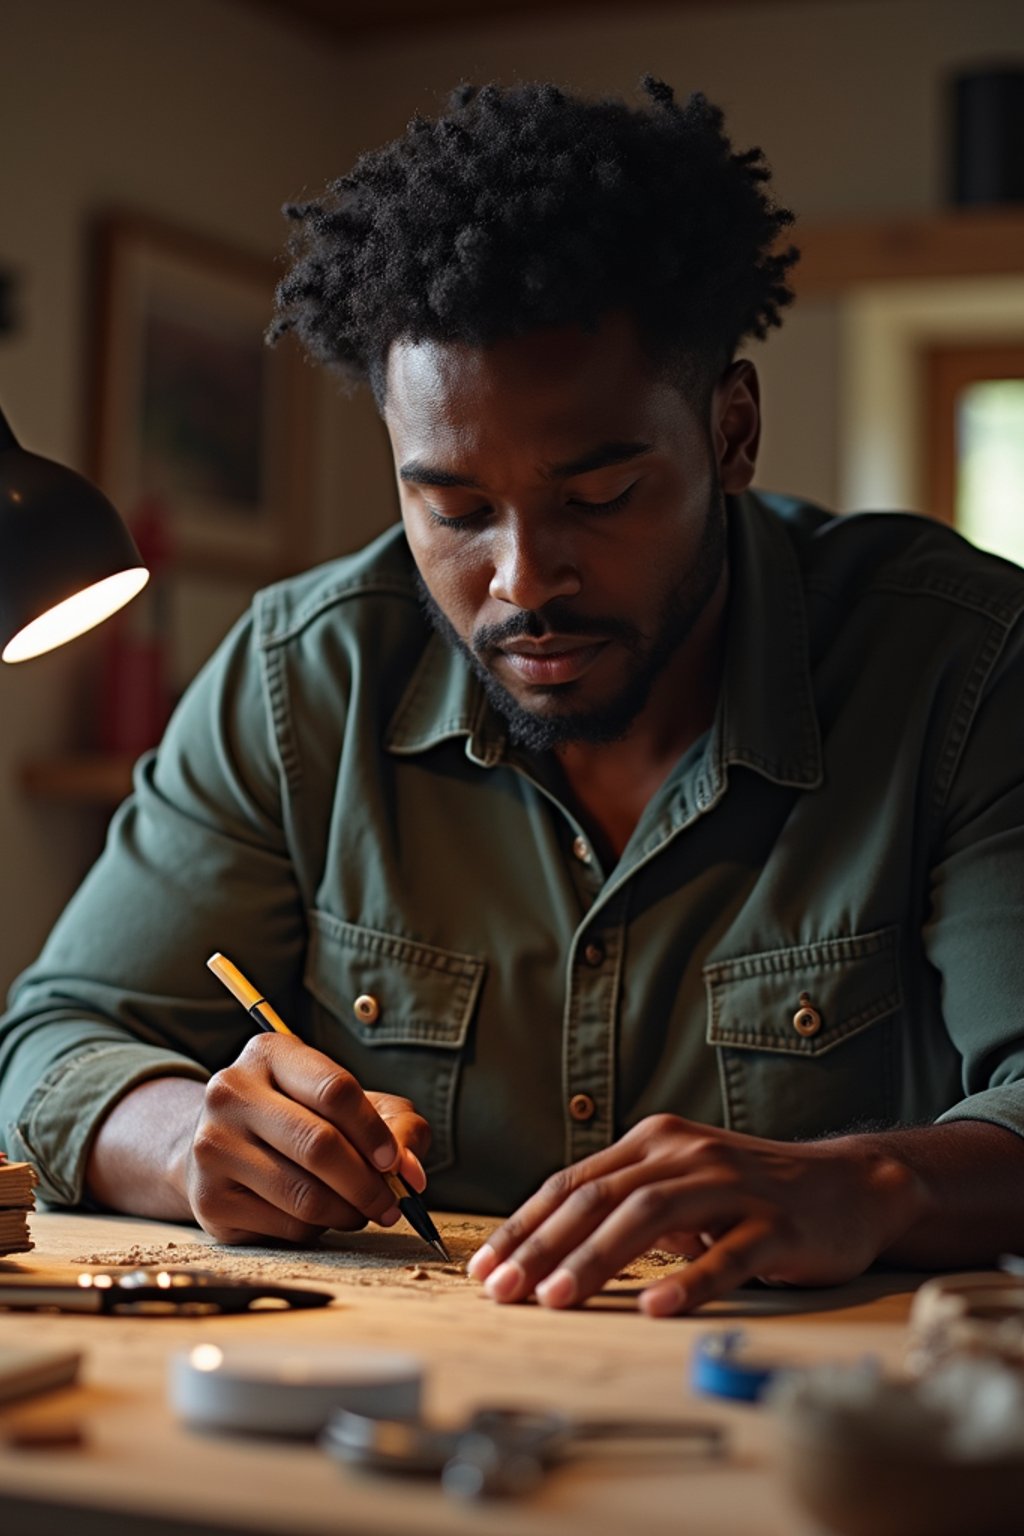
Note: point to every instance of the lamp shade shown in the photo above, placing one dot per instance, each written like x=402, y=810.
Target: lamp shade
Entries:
x=67, y=561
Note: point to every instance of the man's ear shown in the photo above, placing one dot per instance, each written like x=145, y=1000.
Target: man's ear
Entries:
x=736, y=425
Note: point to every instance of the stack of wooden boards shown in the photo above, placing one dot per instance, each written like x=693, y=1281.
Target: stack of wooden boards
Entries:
x=17, y=1182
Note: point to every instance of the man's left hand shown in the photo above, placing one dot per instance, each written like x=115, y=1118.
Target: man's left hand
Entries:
x=738, y=1207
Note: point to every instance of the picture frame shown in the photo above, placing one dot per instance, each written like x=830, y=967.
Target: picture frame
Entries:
x=192, y=412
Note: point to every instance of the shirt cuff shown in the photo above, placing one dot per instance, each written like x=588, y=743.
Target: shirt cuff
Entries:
x=63, y=1114
x=998, y=1106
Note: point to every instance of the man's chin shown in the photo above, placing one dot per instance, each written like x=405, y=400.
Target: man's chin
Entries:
x=554, y=717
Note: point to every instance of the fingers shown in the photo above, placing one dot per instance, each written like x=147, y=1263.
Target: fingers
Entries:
x=505, y=1240
x=570, y=1257
x=239, y=1186
x=603, y=1225
x=411, y=1132
x=241, y=1107
x=666, y=1182
x=284, y=1143
x=312, y=1079
x=411, y=1170
x=640, y=1148
x=800, y=1214
x=246, y=1218
x=735, y=1258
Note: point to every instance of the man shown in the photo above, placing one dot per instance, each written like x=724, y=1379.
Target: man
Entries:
x=606, y=829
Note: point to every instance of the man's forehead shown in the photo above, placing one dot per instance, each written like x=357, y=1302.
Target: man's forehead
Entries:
x=556, y=353
x=564, y=375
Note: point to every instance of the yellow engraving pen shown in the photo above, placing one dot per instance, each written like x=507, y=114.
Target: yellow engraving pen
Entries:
x=261, y=1013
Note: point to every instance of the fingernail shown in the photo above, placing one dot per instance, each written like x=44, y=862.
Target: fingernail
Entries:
x=390, y=1217
x=665, y=1301
x=559, y=1289
x=385, y=1155
x=506, y=1282
x=482, y=1262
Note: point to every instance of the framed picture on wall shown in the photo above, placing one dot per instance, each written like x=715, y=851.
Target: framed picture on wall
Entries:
x=192, y=412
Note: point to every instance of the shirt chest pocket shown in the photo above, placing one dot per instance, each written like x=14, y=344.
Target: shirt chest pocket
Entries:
x=397, y=1015
x=805, y=1036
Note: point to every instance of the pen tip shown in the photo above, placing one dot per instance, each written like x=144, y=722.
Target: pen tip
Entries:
x=439, y=1247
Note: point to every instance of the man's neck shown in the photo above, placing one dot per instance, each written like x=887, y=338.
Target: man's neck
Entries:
x=608, y=787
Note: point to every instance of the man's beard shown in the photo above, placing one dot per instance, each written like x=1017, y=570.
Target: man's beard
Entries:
x=603, y=723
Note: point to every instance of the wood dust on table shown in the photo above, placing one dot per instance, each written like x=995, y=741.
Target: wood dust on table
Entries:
x=370, y=1257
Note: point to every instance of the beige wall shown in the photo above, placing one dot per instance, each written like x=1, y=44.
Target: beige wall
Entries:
x=208, y=113
x=201, y=112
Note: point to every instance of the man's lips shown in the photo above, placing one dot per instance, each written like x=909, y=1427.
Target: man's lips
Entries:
x=553, y=659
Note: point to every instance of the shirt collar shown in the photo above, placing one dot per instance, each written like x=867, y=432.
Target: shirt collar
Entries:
x=765, y=719
x=445, y=699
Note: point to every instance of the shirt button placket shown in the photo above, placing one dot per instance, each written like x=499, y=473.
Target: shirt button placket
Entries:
x=587, y=875
x=582, y=1107
x=591, y=1024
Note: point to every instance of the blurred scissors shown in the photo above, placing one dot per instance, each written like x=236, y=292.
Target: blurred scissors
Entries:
x=496, y=1452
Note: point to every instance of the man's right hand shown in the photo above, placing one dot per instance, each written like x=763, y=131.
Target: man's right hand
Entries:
x=287, y=1144
x=280, y=1144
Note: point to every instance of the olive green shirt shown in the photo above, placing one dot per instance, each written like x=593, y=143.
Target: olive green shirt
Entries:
x=817, y=925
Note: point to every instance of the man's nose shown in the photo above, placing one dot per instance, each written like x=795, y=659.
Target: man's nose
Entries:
x=532, y=567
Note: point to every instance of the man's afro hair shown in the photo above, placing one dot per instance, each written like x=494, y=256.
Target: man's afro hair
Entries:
x=524, y=207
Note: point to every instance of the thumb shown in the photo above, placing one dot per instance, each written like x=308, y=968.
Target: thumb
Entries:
x=411, y=1132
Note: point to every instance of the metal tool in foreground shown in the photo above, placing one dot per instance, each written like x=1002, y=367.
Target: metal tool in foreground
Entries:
x=499, y=1452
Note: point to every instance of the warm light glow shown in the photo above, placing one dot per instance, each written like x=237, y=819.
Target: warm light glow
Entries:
x=75, y=615
x=990, y=466
x=206, y=1357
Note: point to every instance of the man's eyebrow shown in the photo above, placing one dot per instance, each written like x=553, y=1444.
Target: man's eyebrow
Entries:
x=599, y=458
x=416, y=472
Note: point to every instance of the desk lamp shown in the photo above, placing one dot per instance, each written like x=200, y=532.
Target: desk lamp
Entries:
x=67, y=562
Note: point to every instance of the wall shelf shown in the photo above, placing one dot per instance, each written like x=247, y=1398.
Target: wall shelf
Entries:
x=960, y=242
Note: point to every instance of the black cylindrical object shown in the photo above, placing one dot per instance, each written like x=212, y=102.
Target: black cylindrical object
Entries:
x=988, y=135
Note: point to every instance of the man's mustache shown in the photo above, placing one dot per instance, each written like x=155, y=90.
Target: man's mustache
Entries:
x=551, y=620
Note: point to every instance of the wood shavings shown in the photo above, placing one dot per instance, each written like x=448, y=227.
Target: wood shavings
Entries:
x=649, y=1266
x=369, y=1257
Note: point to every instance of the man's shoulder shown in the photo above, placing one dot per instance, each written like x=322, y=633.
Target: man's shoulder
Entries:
x=850, y=554
x=375, y=585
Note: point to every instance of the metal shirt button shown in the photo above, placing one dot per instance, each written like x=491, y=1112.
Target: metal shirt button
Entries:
x=582, y=1107
x=366, y=1008
x=581, y=848
x=807, y=1019
x=594, y=954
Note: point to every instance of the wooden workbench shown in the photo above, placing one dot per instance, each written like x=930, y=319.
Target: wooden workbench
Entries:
x=139, y=1471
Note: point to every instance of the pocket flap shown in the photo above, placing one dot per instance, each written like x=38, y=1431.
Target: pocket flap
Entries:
x=849, y=983
x=408, y=993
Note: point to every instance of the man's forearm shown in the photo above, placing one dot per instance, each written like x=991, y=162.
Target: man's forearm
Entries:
x=972, y=1173
x=137, y=1159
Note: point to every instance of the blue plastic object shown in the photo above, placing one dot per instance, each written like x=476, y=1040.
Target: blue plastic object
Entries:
x=719, y=1367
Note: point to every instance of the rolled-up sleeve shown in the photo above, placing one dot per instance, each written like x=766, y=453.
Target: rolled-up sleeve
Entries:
x=196, y=860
